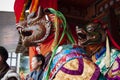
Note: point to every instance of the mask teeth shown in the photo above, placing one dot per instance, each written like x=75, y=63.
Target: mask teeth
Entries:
x=46, y=17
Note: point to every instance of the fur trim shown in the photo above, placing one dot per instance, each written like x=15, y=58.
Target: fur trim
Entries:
x=9, y=74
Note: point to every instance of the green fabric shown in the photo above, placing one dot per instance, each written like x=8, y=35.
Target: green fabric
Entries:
x=101, y=61
x=101, y=77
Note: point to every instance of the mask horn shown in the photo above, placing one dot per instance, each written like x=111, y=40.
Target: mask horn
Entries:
x=32, y=19
x=40, y=12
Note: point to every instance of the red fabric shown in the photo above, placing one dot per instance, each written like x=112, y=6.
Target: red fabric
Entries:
x=18, y=7
x=73, y=33
x=45, y=46
x=49, y=4
x=43, y=3
x=112, y=40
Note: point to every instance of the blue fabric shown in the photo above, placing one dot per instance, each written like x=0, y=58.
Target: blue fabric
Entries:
x=99, y=54
x=36, y=75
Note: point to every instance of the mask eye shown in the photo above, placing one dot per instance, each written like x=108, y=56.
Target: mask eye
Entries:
x=90, y=28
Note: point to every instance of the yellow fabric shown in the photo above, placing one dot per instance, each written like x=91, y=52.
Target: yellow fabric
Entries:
x=88, y=71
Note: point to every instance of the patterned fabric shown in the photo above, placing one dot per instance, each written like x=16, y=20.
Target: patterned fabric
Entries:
x=65, y=54
x=61, y=57
x=101, y=61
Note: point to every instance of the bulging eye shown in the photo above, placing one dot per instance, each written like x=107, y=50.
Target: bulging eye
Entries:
x=90, y=28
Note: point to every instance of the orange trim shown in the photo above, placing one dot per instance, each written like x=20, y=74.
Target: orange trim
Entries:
x=34, y=6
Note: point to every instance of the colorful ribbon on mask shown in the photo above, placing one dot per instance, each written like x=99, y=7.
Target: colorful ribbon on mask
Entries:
x=61, y=16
